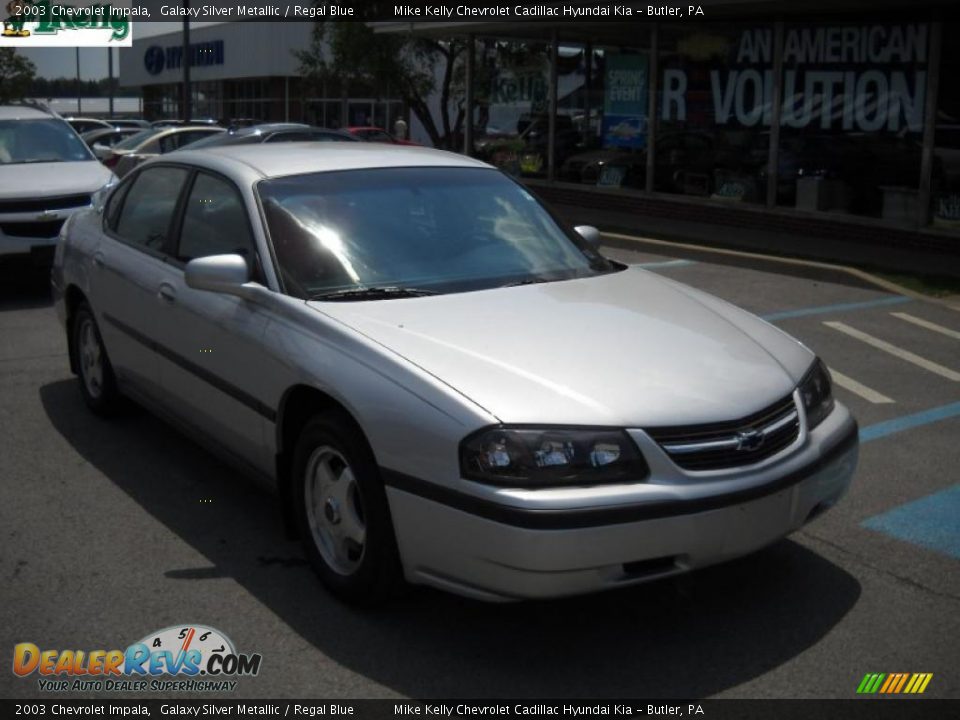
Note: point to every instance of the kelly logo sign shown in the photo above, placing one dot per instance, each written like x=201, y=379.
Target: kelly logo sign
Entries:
x=74, y=23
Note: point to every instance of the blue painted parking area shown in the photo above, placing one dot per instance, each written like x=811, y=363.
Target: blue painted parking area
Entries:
x=932, y=521
x=895, y=362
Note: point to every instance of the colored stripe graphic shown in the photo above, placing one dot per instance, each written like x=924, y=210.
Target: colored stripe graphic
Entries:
x=894, y=683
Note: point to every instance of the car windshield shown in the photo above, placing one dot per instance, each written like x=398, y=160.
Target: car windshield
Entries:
x=136, y=139
x=39, y=141
x=420, y=230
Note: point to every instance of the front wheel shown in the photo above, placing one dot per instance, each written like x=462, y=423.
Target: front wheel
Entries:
x=97, y=382
x=342, y=512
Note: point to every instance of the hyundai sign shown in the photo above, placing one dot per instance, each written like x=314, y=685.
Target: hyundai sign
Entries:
x=157, y=59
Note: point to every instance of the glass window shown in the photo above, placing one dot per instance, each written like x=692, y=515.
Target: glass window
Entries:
x=714, y=103
x=214, y=221
x=440, y=229
x=114, y=204
x=852, y=118
x=149, y=206
x=136, y=140
x=945, y=178
x=40, y=141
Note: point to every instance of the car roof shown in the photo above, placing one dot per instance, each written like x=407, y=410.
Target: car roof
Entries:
x=296, y=158
x=23, y=112
x=186, y=128
x=266, y=127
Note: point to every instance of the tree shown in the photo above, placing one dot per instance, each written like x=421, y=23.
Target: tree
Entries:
x=349, y=55
x=16, y=74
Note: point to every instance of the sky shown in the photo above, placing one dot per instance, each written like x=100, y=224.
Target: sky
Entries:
x=62, y=62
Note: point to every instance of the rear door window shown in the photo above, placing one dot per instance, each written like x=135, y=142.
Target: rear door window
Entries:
x=149, y=205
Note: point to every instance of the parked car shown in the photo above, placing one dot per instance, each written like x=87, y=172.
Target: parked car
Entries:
x=47, y=174
x=100, y=141
x=375, y=134
x=442, y=381
x=82, y=124
x=174, y=122
x=127, y=154
x=618, y=167
x=128, y=123
x=273, y=133
x=236, y=123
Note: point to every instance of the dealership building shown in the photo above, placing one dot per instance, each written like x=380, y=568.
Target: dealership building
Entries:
x=244, y=70
x=828, y=130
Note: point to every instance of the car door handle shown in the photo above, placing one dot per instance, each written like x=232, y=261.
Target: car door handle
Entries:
x=167, y=293
x=98, y=261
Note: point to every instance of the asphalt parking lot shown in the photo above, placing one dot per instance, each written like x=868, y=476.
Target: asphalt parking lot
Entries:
x=111, y=530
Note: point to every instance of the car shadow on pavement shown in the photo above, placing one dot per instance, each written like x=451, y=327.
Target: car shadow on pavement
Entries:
x=694, y=636
x=23, y=286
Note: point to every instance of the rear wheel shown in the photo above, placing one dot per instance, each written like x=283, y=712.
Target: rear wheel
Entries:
x=97, y=382
x=342, y=511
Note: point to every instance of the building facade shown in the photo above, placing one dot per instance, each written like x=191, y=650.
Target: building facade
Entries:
x=841, y=127
x=244, y=70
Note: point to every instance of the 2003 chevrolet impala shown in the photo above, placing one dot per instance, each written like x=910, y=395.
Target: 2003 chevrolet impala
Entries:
x=444, y=383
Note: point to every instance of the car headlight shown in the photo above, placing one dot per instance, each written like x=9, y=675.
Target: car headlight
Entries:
x=100, y=196
x=816, y=393
x=550, y=457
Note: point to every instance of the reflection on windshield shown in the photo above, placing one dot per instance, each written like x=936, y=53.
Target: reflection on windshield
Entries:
x=39, y=141
x=134, y=141
x=437, y=229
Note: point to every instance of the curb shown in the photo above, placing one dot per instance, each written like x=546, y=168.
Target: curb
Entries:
x=811, y=269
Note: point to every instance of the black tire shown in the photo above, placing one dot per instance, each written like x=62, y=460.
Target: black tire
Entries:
x=363, y=576
x=99, y=389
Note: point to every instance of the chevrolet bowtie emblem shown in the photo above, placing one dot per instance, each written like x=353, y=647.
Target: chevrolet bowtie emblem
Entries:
x=749, y=439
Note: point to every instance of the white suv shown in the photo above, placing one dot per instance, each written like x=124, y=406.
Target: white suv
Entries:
x=46, y=174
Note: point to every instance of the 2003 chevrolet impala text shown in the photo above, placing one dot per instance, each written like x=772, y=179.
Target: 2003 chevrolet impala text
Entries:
x=442, y=381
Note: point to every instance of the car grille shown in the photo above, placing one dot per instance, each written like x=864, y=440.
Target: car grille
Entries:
x=737, y=443
x=48, y=229
x=38, y=205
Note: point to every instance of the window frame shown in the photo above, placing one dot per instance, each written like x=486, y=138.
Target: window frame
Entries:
x=257, y=273
x=124, y=187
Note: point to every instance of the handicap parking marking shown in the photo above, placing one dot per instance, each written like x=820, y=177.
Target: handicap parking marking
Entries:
x=907, y=422
x=932, y=522
x=920, y=322
x=858, y=388
x=898, y=352
x=836, y=308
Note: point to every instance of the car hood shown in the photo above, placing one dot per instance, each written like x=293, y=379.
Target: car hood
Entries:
x=625, y=349
x=40, y=180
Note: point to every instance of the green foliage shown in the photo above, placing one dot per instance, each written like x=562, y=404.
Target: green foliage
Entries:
x=16, y=74
x=348, y=57
x=63, y=87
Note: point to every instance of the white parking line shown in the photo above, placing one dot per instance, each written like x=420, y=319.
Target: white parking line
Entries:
x=857, y=388
x=928, y=325
x=895, y=351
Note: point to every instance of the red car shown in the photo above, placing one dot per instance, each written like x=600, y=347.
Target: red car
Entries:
x=375, y=134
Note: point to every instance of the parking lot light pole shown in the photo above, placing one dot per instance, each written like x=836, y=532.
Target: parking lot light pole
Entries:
x=185, y=63
x=469, y=100
x=110, y=79
x=79, y=86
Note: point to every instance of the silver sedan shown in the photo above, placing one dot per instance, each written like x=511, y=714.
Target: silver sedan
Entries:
x=443, y=382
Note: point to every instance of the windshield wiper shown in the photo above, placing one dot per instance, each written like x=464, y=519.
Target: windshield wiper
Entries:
x=372, y=293
x=530, y=281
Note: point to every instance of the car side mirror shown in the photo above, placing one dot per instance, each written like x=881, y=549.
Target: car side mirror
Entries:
x=227, y=274
x=590, y=234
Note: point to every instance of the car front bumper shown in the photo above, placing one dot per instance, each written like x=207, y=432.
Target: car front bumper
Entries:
x=39, y=250
x=502, y=553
